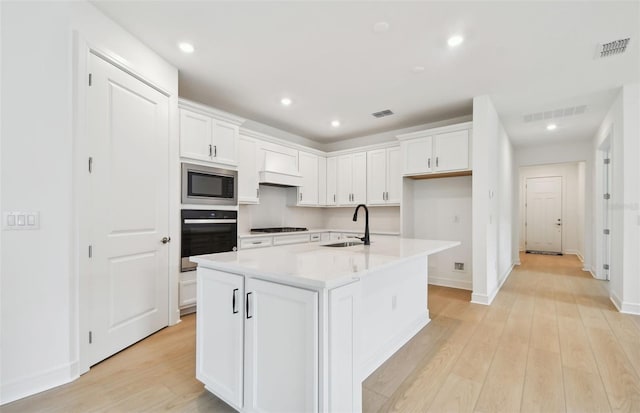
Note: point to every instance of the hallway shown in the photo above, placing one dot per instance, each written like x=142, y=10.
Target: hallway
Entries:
x=551, y=341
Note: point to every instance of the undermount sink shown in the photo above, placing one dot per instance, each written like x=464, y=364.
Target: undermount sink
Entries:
x=345, y=244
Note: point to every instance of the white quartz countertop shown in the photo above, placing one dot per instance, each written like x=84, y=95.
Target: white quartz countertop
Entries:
x=315, y=266
x=312, y=231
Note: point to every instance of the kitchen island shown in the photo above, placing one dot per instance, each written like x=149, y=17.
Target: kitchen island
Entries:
x=297, y=328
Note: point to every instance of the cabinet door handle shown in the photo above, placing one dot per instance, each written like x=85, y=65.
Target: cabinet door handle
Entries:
x=210, y=150
x=215, y=151
x=334, y=197
x=257, y=192
x=248, y=308
x=429, y=163
x=233, y=302
x=384, y=196
x=256, y=242
x=436, y=161
x=300, y=196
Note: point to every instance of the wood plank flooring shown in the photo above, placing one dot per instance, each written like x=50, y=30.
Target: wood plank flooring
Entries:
x=551, y=341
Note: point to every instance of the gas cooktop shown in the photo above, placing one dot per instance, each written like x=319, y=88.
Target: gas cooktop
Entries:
x=279, y=229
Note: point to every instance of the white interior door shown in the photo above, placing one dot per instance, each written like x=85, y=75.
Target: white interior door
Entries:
x=129, y=265
x=544, y=214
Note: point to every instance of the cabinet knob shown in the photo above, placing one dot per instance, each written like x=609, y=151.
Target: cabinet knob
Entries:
x=165, y=240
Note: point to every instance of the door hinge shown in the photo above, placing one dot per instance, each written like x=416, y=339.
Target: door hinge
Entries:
x=607, y=196
x=90, y=337
x=607, y=161
x=606, y=231
x=605, y=266
x=90, y=164
x=90, y=79
x=90, y=251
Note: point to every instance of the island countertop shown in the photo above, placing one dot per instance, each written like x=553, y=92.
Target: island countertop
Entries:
x=318, y=266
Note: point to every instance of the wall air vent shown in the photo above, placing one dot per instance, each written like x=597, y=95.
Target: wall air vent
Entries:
x=382, y=113
x=612, y=48
x=555, y=114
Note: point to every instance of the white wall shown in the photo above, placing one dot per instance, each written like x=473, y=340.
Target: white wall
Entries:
x=572, y=207
x=493, y=202
x=381, y=218
x=622, y=124
x=40, y=343
x=555, y=154
x=442, y=210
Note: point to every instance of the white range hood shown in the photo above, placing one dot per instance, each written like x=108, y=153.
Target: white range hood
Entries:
x=278, y=166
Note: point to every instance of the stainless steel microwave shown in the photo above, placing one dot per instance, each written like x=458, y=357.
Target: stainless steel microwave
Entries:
x=210, y=186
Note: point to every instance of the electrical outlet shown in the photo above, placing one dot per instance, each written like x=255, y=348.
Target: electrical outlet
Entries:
x=458, y=266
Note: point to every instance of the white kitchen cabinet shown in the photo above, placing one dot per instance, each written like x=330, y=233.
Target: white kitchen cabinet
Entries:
x=332, y=180
x=281, y=348
x=187, y=289
x=308, y=167
x=435, y=151
x=246, y=243
x=322, y=180
x=248, y=188
x=290, y=239
x=452, y=151
x=352, y=179
x=384, y=176
x=257, y=343
x=220, y=334
x=207, y=134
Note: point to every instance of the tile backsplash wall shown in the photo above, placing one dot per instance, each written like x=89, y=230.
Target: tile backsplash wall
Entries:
x=273, y=211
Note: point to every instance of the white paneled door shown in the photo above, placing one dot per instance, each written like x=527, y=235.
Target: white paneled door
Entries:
x=128, y=270
x=544, y=214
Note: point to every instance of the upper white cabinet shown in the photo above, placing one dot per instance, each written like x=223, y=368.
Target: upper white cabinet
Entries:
x=207, y=134
x=352, y=179
x=439, y=150
x=332, y=180
x=384, y=176
x=308, y=167
x=248, y=189
x=322, y=180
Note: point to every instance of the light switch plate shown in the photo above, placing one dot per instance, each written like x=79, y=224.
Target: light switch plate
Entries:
x=20, y=220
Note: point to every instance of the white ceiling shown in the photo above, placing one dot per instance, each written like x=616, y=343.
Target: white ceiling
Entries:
x=529, y=56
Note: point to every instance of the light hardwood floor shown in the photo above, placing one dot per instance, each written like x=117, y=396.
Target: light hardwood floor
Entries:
x=551, y=341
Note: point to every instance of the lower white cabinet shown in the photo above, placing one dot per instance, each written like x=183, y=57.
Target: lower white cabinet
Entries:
x=257, y=343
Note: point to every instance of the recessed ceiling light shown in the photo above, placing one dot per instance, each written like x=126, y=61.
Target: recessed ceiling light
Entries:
x=335, y=123
x=381, y=27
x=417, y=69
x=285, y=101
x=455, y=40
x=186, y=47
x=552, y=126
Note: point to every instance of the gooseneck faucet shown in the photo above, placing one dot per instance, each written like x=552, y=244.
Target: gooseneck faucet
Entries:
x=365, y=239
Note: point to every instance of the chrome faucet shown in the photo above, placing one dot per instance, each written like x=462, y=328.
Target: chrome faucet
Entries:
x=365, y=239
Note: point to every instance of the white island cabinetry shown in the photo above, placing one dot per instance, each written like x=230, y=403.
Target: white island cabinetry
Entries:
x=257, y=344
x=314, y=321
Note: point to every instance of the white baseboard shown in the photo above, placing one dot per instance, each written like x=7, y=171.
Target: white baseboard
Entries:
x=36, y=383
x=487, y=299
x=624, y=307
x=369, y=365
x=451, y=283
x=574, y=252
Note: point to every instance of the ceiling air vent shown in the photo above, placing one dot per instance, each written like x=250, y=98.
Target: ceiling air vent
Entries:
x=555, y=114
x=382, y=113
x=612, y=48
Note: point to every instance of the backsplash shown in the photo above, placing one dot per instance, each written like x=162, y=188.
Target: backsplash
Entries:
x=273, y=211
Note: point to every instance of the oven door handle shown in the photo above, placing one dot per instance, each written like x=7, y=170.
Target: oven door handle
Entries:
x=209, y=221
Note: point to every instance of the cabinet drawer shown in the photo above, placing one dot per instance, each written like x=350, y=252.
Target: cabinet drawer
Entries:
x=255, y=242
x=291, y=239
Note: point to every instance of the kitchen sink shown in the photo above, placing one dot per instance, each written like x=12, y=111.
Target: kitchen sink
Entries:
x=345, y=244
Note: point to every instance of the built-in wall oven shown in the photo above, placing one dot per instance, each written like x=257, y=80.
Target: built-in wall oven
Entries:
x=208, y=185
x=207, y=232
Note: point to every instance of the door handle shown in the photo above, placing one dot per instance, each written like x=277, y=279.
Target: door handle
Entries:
x=210, y=150
x=429, y=163
x=233, y=302
x=300, y=196
x=247, y=307
x=165, y=240
x=436, y=161
x=215, y=151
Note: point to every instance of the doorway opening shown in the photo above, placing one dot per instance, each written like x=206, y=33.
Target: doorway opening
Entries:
x=552, y=209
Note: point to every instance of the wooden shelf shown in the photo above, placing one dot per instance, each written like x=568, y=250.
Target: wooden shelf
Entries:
x=441, y=175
